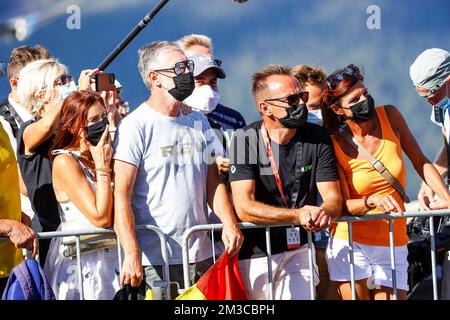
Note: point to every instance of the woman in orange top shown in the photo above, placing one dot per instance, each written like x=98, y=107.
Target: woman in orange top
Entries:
x=351, y=113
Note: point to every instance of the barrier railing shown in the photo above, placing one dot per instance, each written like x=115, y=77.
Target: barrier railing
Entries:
x=97, y=231
x=350, y=220
x=244, y=225
x=215, y=227
x=412, y=214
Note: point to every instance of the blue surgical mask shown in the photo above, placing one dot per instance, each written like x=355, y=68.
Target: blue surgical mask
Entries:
x=444, y=104
x=67, y=89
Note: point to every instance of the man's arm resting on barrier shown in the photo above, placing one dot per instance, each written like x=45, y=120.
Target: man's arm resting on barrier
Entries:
x=19, y=234
x=219, y=201
x=124, y=223
x=250, y=210
x=440, y=162
x=422, y=165
x=330, y=191
x=426, y=195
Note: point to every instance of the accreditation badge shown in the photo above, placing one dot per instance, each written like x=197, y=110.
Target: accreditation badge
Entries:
x=293, y=237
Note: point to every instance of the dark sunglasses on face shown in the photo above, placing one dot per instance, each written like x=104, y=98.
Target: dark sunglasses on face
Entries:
x=292, y=100
x=63, y=80
x=349, y=71
x=180, y=67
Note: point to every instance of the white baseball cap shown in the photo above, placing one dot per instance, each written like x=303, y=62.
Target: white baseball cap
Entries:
x=431, y=69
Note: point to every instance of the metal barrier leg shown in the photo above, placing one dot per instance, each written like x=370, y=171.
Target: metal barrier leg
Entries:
x=80, y=273
x=119, y=256
x=433, y=259
x=186, y=260
x=352, y=263
x=213, y=244
x=269, y=263
x=311, y=268
x=392, y=249
x=166, y=270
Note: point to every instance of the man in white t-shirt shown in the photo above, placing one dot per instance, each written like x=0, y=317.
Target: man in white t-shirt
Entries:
x=165, y=174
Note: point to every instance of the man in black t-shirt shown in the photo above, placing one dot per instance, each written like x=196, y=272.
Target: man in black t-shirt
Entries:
x=277, y=167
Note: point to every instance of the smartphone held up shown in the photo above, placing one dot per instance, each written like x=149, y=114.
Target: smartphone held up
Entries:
x=105, y=82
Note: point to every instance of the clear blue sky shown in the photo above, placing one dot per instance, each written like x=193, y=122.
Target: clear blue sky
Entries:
x=330, y=33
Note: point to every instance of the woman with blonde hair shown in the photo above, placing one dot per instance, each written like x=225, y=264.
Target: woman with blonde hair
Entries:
x=43, y=86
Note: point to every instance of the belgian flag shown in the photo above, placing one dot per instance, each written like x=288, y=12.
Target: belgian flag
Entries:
x=222, y=281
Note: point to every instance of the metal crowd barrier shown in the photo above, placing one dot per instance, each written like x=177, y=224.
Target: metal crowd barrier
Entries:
x=215, y=227
x=350, y=220
x=98, y=231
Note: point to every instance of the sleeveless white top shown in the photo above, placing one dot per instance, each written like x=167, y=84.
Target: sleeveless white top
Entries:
x=71, y=217
x=99, y=267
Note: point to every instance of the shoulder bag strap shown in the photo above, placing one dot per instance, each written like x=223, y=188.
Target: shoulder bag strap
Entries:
x=378, y=165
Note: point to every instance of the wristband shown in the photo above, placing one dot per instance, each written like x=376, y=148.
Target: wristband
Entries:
x=106, y=170
x=103, y=174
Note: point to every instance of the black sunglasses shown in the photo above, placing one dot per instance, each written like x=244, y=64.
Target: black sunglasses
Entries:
x=180, y=67
x=350, y=71
x=292, y=100
x=63, y=80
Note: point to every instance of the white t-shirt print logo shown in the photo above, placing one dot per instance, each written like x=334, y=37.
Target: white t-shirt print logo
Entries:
x=186, y=149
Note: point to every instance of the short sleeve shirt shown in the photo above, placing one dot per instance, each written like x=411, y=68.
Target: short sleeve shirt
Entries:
x=172, y=155
x=308, y=158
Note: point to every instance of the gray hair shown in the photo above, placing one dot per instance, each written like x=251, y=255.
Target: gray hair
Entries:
x=150, y=57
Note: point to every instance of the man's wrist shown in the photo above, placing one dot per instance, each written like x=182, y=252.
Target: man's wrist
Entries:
x=132, y=252
x=230, y=222
x=7, y=227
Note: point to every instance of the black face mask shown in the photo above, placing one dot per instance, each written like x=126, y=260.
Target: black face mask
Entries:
x=296, y=116
x=184, y=85
x=363, y=111
x=95, y=131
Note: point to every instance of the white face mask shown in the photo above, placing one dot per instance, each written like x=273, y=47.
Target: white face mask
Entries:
x=203, y=99
x=63, y=92
x=66, y=90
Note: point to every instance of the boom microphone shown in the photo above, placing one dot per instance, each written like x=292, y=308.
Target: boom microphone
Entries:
x=137, y=29
x=141, y=25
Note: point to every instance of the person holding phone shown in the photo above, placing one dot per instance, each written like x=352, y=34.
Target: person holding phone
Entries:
x=43, y=86
x=81, y=155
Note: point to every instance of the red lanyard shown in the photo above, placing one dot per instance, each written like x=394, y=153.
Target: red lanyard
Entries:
x=273, y=164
